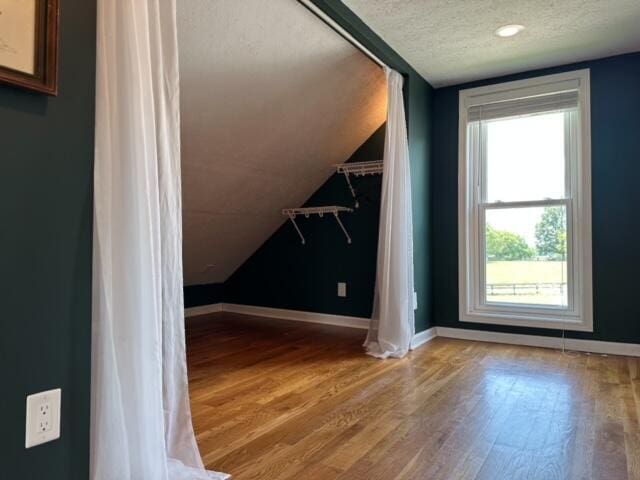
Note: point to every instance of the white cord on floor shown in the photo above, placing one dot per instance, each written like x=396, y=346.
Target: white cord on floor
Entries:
x=568, y=353
x=574, y=353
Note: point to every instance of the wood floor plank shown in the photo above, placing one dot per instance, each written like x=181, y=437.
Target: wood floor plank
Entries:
x=279, y=400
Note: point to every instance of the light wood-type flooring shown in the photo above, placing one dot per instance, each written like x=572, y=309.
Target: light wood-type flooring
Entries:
x=276, y=400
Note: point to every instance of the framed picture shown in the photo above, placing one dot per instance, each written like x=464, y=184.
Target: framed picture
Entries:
x=29, y=44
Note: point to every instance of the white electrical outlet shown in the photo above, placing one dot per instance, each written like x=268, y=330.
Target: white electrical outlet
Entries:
x=415, y=300
x=43, y=417
x=342, y=289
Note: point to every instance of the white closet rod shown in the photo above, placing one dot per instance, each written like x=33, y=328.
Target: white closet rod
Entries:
x=341, y=31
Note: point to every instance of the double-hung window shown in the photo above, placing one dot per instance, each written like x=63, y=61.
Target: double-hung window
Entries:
x=525, y=203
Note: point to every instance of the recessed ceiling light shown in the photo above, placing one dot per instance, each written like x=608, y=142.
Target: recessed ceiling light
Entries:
x=509, y=30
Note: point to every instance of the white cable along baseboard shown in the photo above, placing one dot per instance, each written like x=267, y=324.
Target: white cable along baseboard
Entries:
x=421, y=338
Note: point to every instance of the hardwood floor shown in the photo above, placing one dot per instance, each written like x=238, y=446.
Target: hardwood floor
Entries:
x=285, y=400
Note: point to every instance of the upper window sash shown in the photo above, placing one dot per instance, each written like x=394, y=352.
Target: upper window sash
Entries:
x=477, y=141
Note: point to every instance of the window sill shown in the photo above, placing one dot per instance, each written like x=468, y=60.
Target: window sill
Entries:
x=514, y=320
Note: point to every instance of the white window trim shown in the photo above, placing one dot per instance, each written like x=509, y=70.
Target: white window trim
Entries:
x=580, y=314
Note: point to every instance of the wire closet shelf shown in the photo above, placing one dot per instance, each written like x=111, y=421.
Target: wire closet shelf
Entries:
x=334, y=210
x=357, y=169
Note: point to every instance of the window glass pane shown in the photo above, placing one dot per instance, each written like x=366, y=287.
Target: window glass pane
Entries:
x=526, y=256
x=525, y=158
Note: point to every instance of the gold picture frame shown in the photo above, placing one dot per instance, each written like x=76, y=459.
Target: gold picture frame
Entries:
x=29, y=44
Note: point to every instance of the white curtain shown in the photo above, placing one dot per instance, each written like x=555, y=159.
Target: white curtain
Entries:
x=392, y=324
x=141, y=420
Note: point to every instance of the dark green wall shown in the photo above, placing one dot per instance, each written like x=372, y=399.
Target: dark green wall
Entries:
x=615, y=123
x=46, y=163
x=283, y=273
x=420, y=116
x=204, y=294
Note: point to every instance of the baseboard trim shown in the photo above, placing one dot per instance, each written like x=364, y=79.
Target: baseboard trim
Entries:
x=298, y=315
x=591, y=346
x=202, y=310
x=418, y=340
x=423, y=337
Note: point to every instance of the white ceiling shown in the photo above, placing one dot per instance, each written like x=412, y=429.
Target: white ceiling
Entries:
x=452, y=41
x=271, y=99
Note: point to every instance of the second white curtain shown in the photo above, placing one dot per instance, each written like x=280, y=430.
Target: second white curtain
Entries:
x=141, y=420
x=392, y=324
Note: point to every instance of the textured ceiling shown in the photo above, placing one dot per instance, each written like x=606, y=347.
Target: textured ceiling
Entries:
x=271, y=99
x=452, y=41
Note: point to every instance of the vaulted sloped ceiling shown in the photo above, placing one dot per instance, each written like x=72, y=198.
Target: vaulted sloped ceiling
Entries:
x=271, y=99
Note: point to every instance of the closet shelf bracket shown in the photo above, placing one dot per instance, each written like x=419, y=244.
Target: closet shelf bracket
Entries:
x=334, y=210
x=359, y=169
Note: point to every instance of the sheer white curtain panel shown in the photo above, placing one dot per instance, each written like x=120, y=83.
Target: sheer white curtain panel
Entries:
x=141, y=420
x=392, y=324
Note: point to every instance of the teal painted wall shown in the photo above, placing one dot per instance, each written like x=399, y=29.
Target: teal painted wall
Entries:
x=420, y=95
x=283, y=273
x=45, y=238
x=204, y=294
x=615, y=123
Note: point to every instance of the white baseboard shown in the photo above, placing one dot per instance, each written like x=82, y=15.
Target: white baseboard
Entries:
x=592, y=346
x=298, y=315
x=420, y=338
x=202, y=310
x=423, y=337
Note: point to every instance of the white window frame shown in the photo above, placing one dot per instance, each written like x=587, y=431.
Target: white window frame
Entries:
x=578, y=315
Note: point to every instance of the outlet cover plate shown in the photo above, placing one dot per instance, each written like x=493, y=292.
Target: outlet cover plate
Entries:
x=43, y=417
x=342, y=289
